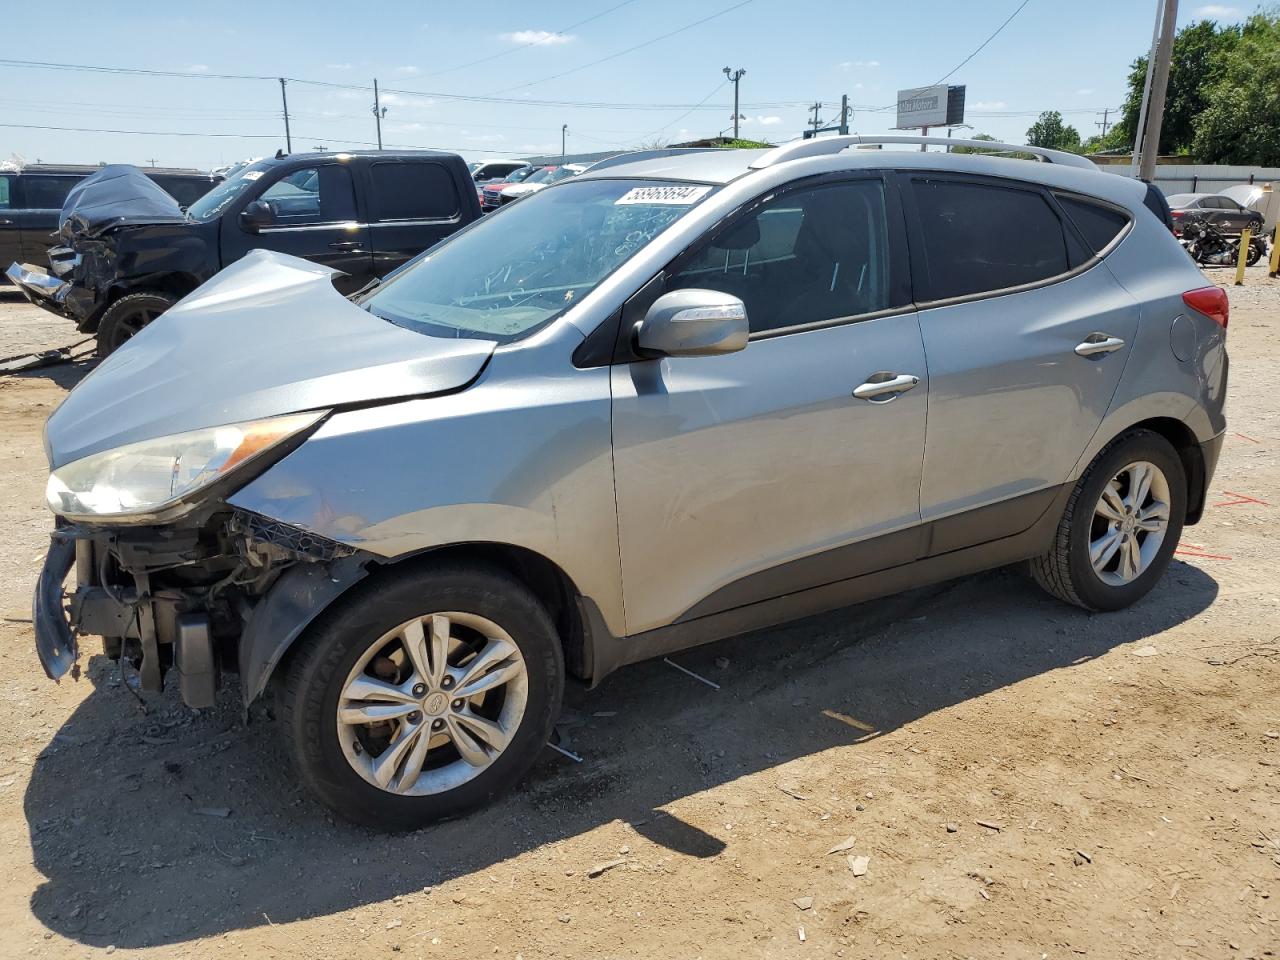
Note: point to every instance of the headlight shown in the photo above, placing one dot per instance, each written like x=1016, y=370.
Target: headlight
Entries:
x=143, y=478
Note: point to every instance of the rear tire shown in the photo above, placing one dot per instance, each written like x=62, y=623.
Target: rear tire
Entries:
x=361, y=661
x=1116, y=538
x=128, y=315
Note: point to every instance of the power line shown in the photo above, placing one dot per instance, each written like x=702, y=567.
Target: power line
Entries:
x=622, y=53
x=670, y=123
x=983, y=44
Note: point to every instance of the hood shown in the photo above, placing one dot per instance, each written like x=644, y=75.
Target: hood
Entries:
x=269, y=335
x=116, y=194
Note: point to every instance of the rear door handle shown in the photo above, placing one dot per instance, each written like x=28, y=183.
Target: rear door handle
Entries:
x=884, y=386
x=1096, y=343
x=353, y=245
x=6, y=223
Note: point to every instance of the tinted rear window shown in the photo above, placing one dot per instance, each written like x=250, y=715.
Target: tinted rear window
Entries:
x=1100, y=225
x=413, y=190
x=47, y=192
x=979, y=237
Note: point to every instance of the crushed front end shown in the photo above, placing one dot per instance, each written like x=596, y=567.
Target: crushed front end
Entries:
x=182, y=598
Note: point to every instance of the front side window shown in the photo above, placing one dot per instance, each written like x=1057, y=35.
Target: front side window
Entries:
x=48, y=193
x=505, y=276
x=413, y=190
x=321, y=194
x=979, y=238
x=809, y=256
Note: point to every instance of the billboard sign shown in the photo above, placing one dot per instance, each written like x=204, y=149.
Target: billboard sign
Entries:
x=936, y=106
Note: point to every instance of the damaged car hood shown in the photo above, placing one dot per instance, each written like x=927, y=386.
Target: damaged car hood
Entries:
x=117, y=194
x=269, y=335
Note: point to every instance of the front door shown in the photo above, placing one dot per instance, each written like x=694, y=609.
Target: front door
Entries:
x=747, y=476
x=314, y=216
x=1025, y=343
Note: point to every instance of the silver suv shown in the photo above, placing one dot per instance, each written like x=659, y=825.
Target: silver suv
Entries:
x=670, y=400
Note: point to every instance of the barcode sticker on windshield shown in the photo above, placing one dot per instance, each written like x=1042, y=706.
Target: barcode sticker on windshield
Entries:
x=251, y=174
x=682, y=196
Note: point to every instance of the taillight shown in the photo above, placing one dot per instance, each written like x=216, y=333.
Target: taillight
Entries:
x=1211, y=301
x=1178, y=214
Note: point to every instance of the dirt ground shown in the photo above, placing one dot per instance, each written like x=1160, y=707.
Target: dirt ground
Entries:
x=1027, y=780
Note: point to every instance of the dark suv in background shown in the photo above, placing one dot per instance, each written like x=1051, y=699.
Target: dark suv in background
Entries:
x=128, y=252
x=32, y=195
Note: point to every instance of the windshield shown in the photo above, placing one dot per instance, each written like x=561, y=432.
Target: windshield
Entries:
x=508, y=275
x=541, y=175
x=518, y=176
x=212, y=204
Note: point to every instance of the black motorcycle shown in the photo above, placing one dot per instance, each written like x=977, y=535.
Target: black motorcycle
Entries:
x=1208, y=245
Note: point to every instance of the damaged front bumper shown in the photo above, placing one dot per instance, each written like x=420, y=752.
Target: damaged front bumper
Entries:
x=40, y=287
x=227, y=593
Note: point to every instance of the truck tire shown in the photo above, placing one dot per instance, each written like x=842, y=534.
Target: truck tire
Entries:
x=127, y=316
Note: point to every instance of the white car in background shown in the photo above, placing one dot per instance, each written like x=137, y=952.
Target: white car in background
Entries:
x=543, y=178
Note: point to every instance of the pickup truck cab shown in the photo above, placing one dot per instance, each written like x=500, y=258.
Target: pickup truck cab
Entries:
x=128, y=252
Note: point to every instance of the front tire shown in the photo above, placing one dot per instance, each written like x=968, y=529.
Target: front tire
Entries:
x=423, y=695
x=1120, y=526
x=127, y=316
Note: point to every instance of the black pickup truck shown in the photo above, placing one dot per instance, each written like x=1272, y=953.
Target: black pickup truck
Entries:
x=128, y=252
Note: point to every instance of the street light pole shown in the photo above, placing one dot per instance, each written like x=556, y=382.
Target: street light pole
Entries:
x=1159, y=71
x=564, y=130
x=735, y=76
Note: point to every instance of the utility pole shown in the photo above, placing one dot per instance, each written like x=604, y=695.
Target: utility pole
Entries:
x=284, y=100
x=735, y=76
x=815, y=121
x=1106, y=112
x=1159, y=87
x=845, y=115
x=152, y=161
x=564, y=132
x=379, y=111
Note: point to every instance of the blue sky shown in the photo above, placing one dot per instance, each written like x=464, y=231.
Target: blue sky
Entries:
x=1071, y=57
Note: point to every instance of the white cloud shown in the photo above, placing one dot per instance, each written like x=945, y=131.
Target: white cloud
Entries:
x=337, y=66
x=848, y=65
x=1084, y=91
x=198, y=68
x=549, y=37
x=1216, y=11
x=408, y=71
x=989, y=105
x=762, y=121
x=483, y=137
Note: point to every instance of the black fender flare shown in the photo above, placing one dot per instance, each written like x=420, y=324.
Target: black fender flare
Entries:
x=300, y=595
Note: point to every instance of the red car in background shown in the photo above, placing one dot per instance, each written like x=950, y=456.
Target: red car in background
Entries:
x=490, y=193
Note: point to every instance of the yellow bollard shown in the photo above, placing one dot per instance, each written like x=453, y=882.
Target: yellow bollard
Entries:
x=1275, y=258
x=1244, y=254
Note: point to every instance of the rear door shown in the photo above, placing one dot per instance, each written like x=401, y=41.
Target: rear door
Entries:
x=412, y=204
x=314, y=216
x=1026, y=335
x=43, y=195
x=746, y=476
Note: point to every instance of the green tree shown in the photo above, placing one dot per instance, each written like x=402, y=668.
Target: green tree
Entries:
x=976, y=136
x=1049, y=131
x=1240, y=122
x=1201, y=52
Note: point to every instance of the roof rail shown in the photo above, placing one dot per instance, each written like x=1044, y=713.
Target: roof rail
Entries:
x=823, y=146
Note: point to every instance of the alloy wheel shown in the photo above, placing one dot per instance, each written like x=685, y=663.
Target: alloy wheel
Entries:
x=1129, y=524
x=432, y=703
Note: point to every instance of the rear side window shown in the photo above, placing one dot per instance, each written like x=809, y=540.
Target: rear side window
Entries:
x=413, y=190
x=1099, y=225
x=48, y=193
x=5, y=202
x=186, y=190
x=977, y=237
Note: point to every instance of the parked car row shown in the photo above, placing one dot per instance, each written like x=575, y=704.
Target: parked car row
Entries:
x=524, y=181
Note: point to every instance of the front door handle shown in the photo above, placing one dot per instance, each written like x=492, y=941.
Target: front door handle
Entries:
x=1096, y=343
x=884, y=386
x=355, y=246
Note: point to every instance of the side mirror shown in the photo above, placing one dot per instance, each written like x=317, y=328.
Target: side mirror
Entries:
x=693, y=323
x=256, y=216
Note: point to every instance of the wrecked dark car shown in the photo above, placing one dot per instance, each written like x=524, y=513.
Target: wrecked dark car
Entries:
x=127, y=251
